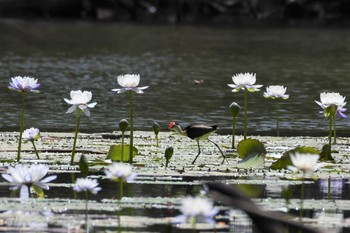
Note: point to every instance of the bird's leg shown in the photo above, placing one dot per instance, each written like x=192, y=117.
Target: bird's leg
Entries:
x=199, y=152
x=222, y=153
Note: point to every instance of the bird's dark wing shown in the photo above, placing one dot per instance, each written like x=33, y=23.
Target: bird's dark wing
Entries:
x=194, y=131
x=266, y=221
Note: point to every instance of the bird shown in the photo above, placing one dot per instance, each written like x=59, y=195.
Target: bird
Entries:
x=265, y=221
x=197, y=132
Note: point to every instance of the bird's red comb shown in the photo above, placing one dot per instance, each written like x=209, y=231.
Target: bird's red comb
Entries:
x=171, y=124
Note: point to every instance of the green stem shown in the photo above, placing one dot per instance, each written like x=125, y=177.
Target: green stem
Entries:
x=131, y=128
x=157, y=144
x=302, y=200
x=233, y=131
x=277, y=121
x=36, y=152
x=121, y=188
x=122, y=158
x=245, y=113
x=21, y=129
x=329, y=188
x=86, y=211
x=334, y=131
x=330, y=135
x=75, y=140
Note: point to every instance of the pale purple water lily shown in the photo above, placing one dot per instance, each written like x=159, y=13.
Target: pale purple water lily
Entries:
x=22, y=177
x=329, y=99
x=86, y=185
x=129, y=82
x=196, y=208
x=244, y=81
x=276, y=91
x=80, y=102
x=304, y=162
x=24, y=84
x=31, y=134
x=122, y=171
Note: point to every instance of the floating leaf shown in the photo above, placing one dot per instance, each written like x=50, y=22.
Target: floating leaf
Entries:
x=83, y=166
x=251, y=161
x=116, y=151
x=285, y=161
x=247, y=147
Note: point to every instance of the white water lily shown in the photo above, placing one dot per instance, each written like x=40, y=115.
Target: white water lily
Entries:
x=196, y=208
x=122, y=171
x=276, y=91
x=86, y=185
x=31, y=134
x=304, y=162
x=244, y=81
x=80, y=102
x=24, y=84
x=22, y=177
x=329, y=99
x=129, y=82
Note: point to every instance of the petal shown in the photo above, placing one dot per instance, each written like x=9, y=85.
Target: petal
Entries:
x=48, y=179
x=86, y=112
x=71, y=109
x=7, y=177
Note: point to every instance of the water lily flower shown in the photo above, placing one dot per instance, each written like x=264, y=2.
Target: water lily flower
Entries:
x=245, y=81
x=129, y=82
x=332, y=99
x=23, y=85
x=80, y=102
x=22, y=177
x=31, y=135
x=86, y=185
x=304, y=162
x=120, y=171
x=276, y=91
x=196, y=208
x=332, y=104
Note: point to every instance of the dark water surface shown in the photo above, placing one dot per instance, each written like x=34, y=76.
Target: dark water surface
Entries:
x=68, y=56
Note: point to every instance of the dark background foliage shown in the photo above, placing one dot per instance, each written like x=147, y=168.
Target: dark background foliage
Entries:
x=277, y=12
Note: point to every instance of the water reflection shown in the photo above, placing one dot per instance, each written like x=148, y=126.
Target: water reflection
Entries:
x=65, y=56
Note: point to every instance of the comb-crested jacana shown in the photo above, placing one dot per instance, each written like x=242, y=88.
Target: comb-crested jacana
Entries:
x=196, y=132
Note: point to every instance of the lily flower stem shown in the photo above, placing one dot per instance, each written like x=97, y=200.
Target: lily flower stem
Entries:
x=21, y=129
x=277, y=121
x=245, y=112
x=334, y=131
x=122, y=157
x=302, y=200
x=121, y=189
x=86, y=211
x=330, y=134
x=233, y=131
x=36, y=151
x=157, y=140
x=75, y=140
x=131, y=128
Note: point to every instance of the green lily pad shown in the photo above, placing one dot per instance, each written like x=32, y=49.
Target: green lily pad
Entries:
x=285, y=161
x=83, y=166
x=121, y=152
x=249, y=147
x=251, y=161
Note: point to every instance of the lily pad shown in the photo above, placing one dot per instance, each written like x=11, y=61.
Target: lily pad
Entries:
x=250, y=147
x=284, y=161
x=121, y=152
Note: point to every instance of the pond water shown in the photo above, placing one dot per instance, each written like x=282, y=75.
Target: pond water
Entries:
x=67, y=56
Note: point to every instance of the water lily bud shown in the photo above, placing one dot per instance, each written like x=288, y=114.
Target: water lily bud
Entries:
x=123, y=124
x=169, y=153
x=155, y=128
x=235, y=109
